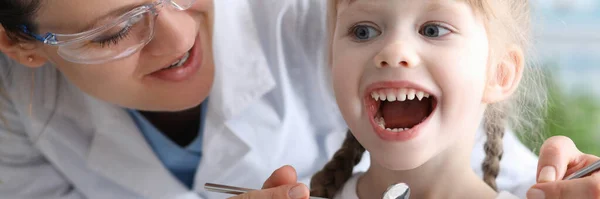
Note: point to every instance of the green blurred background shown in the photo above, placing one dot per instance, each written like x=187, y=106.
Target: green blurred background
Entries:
x=574, y=113
x=568, y=44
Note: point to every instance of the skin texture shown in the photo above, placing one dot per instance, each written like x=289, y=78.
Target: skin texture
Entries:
x=122, y=82
x=454, y=66
x=171, y=106
x=126, y=82
x=559, y=157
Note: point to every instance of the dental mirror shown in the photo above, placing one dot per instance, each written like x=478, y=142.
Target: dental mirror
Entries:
x=397, y=191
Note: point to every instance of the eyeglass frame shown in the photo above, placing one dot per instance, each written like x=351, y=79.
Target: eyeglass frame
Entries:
x=50, y=38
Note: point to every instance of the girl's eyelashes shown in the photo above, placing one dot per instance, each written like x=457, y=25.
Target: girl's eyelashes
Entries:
x=435, y=30
x=363, y=32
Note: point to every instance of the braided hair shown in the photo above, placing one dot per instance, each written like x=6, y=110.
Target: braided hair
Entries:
x=338, y=170
x=494, y=123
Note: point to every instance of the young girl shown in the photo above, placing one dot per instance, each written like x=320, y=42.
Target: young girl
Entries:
x=413, y=79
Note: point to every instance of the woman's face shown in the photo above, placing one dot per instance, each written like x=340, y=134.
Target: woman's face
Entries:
x=143, y=80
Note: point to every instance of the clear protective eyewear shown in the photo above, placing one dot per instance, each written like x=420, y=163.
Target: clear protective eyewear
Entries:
x=120, y=38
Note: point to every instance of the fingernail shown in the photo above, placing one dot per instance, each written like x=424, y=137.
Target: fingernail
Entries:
x=536, y=194
x=298, y=192
x=548, y=174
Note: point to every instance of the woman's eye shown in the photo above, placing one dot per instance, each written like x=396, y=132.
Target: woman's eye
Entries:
x=364, y=32
x=119, y=32
x=113, y=39
x=434, y=30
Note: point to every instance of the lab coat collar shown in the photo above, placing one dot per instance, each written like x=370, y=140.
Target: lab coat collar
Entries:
x=120, y=153
x=242, y=77
x=117, y=150
x=242, y=74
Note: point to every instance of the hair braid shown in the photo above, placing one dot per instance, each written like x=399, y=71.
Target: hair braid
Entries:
x=338, y=170
x=494, y=124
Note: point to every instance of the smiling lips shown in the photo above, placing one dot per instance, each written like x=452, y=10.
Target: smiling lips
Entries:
x=398, y=110
x=184, y=67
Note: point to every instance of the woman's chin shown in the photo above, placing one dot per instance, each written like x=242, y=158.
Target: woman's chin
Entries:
x=181, y=106
x=181, y=97
x=173, y=104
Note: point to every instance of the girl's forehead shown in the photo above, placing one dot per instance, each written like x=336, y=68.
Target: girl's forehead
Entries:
x=379, y=6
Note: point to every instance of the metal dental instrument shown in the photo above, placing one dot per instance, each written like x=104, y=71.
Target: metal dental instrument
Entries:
x=397, y=191
x=585, y=171
x=233, y=190
x=402, y=191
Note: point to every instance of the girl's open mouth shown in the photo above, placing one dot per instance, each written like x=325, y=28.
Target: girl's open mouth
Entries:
x=397, y=113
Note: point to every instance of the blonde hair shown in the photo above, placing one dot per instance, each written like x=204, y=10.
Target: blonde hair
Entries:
x=508, y=24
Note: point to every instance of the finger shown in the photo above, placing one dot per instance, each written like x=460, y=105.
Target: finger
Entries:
x=556, y=155
x=584, y=160
x=289, y=191
x=582, y=188
x=281, y=176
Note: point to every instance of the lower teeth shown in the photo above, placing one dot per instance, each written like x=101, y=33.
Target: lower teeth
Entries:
x=173, y=66
x=381, y=122
x=180, y=62
x=397, y=130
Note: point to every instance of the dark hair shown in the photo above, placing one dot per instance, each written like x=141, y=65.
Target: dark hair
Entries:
x=338, y=170
x=15, y=14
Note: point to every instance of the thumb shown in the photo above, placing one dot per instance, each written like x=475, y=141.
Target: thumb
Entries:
x=282, y=176
x=290, y=191
x=557, y=154
x=566, y=189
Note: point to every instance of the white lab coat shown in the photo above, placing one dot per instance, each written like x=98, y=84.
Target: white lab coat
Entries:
x=271, y=105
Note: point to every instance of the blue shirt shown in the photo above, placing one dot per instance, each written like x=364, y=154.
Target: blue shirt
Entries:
x=181, y=162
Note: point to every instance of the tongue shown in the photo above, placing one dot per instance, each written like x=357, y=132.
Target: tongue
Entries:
x=405, y=114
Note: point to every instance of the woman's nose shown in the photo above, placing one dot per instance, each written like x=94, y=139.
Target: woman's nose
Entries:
x=173, y=33
x=397, y=55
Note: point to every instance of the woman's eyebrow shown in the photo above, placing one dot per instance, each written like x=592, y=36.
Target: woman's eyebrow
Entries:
x=78, y=27
x=108, y=16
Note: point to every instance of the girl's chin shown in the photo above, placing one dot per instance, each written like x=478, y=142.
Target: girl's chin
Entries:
x=400, y=164
x=400, y=158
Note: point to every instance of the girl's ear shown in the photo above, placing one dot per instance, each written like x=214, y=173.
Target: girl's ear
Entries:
x=504, y=76
x=20, y=51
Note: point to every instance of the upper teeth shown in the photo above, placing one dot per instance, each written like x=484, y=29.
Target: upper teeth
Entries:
x=403, y=94
x=181, y=61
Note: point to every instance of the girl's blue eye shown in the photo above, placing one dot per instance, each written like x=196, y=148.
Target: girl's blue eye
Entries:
x=434, y=30
x=364, y=32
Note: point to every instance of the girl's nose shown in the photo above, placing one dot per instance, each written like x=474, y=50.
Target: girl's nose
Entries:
x=397, y=55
